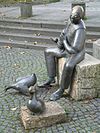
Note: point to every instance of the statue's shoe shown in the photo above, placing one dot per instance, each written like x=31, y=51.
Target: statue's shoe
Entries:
x=56, y=95
x=48, y=83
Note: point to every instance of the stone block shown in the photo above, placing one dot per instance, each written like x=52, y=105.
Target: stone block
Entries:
x=53, y=114
x=86, y=79
x=26, y=9
x=96, y=49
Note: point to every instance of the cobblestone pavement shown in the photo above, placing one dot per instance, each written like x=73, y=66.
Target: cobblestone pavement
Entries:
x=84, y=117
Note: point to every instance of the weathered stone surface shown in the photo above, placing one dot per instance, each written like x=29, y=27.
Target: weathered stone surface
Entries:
x=53, y=114
x=86, y=79
x=96, y=49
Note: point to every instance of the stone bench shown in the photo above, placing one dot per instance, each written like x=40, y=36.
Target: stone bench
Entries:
x=86, y=79
x=96, y=49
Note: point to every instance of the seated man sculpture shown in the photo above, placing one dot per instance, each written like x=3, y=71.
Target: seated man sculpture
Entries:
x=71, y=45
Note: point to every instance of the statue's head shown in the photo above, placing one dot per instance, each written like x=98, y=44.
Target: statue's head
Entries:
x=76, y=14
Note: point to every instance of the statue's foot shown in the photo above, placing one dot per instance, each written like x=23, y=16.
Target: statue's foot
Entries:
x=48, y=83
x=56, y=95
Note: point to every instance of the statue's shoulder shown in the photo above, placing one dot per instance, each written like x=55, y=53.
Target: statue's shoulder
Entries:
x=81, y=25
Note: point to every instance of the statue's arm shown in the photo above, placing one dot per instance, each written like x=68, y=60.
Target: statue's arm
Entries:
x=78, y=42
x=60, y=39
x=68, y=47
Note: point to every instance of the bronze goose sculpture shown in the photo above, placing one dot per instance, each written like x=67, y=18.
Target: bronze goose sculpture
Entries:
x=35, y=105
x=22, y=84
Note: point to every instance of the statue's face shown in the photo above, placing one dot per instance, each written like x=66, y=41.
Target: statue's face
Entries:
x=75, y=17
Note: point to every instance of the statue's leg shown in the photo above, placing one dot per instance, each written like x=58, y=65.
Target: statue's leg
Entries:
x=51, y=55
x=67, y=75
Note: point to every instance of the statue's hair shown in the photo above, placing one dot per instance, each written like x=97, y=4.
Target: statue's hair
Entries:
x=79, y=10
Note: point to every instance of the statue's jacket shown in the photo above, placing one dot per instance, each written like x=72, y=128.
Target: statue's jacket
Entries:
x=74, y=35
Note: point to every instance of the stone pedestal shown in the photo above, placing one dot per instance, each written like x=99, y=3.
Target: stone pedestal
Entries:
x=26, y=9
x=80, y=4
x=96, y=49
x=86, y=79
x=53, y=114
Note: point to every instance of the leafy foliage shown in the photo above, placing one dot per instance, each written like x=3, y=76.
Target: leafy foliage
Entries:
x=8, y=2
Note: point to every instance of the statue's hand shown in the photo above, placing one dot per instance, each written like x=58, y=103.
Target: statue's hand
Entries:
x=54, y=39
x=62, y=36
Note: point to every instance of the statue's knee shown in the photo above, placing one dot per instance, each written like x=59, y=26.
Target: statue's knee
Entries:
x=47, y=51
x=69, y=66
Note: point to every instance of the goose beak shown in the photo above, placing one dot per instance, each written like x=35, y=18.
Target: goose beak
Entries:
x=31, y=89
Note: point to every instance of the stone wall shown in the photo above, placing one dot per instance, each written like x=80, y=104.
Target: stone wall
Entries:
x=86, y=78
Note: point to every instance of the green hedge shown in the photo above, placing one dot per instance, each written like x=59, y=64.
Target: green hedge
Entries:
x=44, y=1
x=41, y=1
x=8, y=2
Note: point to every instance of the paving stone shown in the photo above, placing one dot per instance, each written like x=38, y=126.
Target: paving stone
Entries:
x=80, y=112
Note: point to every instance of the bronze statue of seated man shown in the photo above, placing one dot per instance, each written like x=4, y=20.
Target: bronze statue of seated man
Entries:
x=71, y=45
